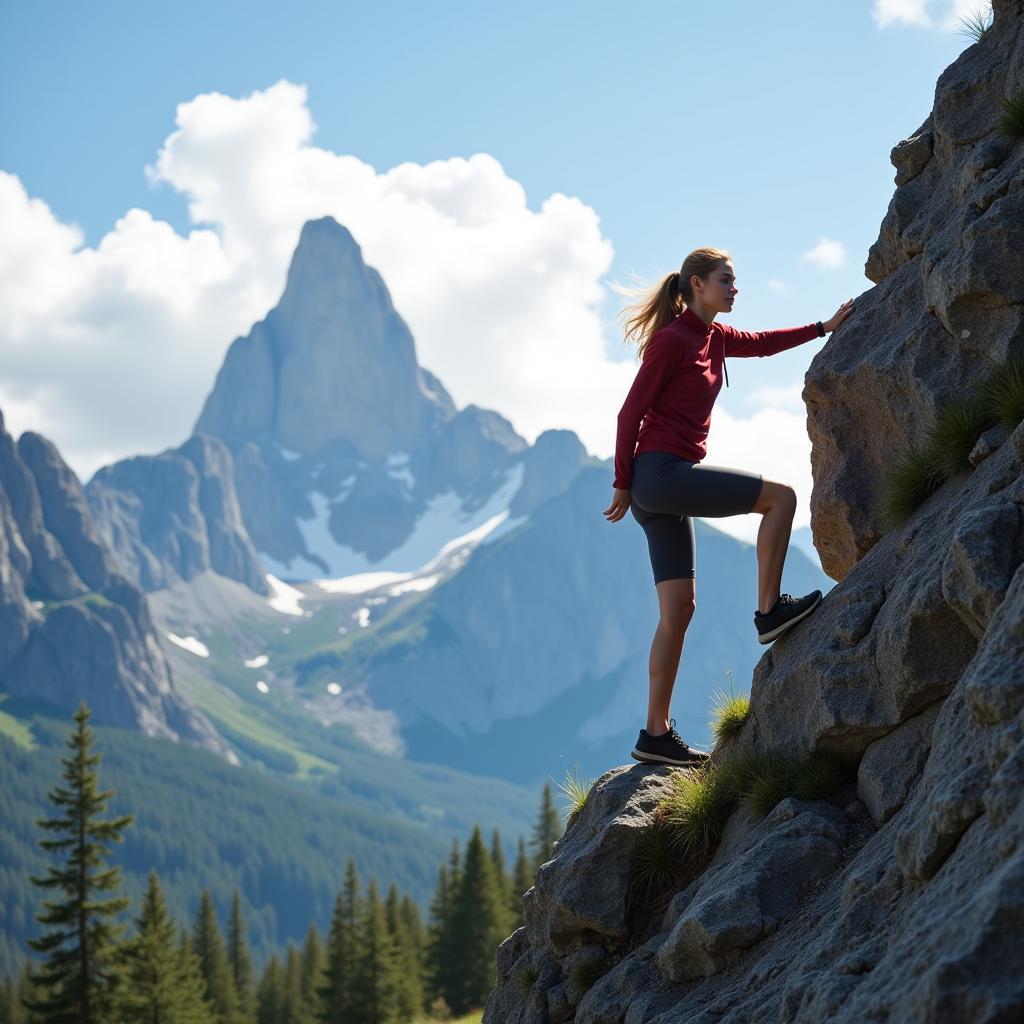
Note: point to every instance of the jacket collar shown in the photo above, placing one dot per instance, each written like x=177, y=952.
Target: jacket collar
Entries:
x=695, y=323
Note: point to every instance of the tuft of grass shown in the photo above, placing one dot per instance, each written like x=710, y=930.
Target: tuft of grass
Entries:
x=585, y=973
x=1003, y=392
x=576, y=790
x=957, y=428
x=654, y=866
x=920, y=470
x=817, y=777
x=977, y=24
x=729, y=712
x=1011, y=124
x=696, y=812
x=688, y=823
x=527, y=976
x=910, y=481
x=770, y=783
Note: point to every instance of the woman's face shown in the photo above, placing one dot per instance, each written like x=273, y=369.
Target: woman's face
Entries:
x=719, y=291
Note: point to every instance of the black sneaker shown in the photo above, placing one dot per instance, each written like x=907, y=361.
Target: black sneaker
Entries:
x=783, y=615
x=668, y=748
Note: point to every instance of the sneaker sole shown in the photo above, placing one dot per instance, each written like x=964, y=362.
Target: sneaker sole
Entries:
x=767, y=638
x=660, y=759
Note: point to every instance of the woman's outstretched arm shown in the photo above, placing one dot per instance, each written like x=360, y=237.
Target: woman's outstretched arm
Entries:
x=768, y=343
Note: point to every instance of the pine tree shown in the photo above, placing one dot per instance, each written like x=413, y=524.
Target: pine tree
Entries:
x=498, y=860
x=11, y=1010
x=82, y=973
x=443, y=955
x=292, y=1011
x=28, y=990
x=409, y=969
x=547, y=830
x=479, y=927
x=375, y=988
x=192, y=984
x=270, y=993
x=522, y=879
x=239, y=959
x=312, y=971
x=161, y=989
x=440, y=957
x=208, y=944
x=507, y=920
x=342, y=944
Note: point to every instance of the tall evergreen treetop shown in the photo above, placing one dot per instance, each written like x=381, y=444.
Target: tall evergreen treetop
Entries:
x=480, y=914
x=547, y=830
x=335, y=993
x=375, y=996
x=163, y=983
x=239, y=958
x=84, y=962
x=208, y=943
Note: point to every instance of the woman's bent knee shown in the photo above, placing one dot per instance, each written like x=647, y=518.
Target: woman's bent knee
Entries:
x=774, y=495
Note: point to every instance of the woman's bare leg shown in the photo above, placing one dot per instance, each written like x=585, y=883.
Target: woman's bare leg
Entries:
x=777, y=505
x=676, y=600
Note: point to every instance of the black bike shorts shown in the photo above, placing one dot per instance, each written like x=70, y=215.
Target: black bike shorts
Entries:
x=667, y=490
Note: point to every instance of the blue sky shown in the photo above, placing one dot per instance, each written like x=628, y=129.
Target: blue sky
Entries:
x=760, y=128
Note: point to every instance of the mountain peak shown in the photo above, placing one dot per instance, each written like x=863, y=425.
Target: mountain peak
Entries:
x=332, y=362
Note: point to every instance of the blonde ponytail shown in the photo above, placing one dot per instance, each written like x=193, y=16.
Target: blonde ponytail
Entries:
x=660, y=305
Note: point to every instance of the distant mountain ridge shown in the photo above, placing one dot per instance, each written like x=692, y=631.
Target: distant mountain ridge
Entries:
x=70, y=623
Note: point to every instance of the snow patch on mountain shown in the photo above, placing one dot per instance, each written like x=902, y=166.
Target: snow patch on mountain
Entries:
x=191, y=644
x=441, y=531
x=284, y=598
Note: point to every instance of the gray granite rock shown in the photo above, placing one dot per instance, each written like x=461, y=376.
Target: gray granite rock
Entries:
x=949, y=272
x=750, y=896
x=891, y=766
x=570, y=903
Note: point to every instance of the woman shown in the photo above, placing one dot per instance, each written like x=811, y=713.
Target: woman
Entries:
x=661, y=440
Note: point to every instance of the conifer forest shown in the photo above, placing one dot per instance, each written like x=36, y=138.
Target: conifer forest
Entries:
x=98, y=960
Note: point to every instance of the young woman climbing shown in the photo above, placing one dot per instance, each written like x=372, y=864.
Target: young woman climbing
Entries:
x=660, y=442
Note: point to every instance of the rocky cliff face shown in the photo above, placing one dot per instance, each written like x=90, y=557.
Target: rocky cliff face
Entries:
x=900, y=899
x=71, y=625
x=175, y=515
x=949, y=297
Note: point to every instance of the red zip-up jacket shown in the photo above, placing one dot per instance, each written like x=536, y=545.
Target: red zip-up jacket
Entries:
x=678, y=382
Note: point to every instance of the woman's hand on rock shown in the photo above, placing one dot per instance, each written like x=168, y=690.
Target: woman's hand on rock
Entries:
x=841, y=314
x=619, y=506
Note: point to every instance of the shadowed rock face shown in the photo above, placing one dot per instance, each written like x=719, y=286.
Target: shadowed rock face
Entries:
x=949, y=297
x=75, y=628
x=175, y=515
x=901, y=900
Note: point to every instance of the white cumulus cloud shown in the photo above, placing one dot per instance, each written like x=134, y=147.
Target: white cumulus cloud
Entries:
x=111, y=350
x=944, y=15
x=827, y=254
